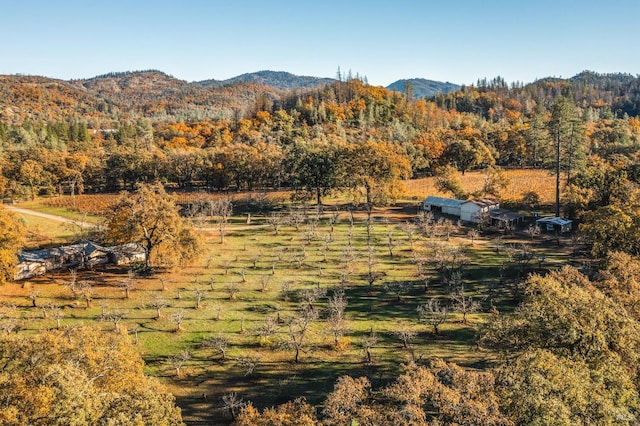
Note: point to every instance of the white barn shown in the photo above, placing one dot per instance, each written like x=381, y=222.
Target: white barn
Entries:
x=472, y=210
x=444, y=205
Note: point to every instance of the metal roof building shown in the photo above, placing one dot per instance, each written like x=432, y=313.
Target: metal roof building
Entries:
x=445, y=205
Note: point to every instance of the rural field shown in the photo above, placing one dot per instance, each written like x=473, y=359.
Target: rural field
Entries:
x=294, y=298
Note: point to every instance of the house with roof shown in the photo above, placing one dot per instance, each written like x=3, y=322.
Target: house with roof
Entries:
x=474, y=210
x=85, y=254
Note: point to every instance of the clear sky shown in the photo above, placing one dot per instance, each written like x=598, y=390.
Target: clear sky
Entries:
x=446, y=40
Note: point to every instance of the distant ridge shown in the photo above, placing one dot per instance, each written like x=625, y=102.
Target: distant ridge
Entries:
x=423, y=88
x=279, y=79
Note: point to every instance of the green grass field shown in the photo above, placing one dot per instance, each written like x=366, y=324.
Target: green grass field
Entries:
x=241, y=283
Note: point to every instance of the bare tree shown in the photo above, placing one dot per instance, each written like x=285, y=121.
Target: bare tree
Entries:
x=267, y=329
x=264, y=282
x=57, y=315
x=220, y=343
x=423, y=271
x=425, y=223
x=295, y=218
x=405, y=333
x=391, y=243
x=255, y=259
x=449, y=260
x=178, y=318
x=409, y=229
x=115, y=316
x=163, y=283
x=134, y=330
x=473, y=235
x=398, y=288
x=222, y=209
x=45, y=308
x=298, y=330
x=325, y=247
x=33, y=296
x=285, y=289
x=336, y=322
x=199, y=296
x=158, y=304
x=249, y=363
x=179, y=360
x=333, y=221
x=368, y=343
x=233, y=288
x=232, y=403
x=86, y=290
x=9, y=319
x=276, y=220
x=128, y=283
x=464, y=304
x=73, y=281
x=433, y=314
x=312, y=295
x=218, y=310
x=227, y=265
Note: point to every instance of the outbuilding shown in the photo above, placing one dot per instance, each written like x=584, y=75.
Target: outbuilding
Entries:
x=473, y=210
x=505, y=218
x=554, y=224
x=443, y=205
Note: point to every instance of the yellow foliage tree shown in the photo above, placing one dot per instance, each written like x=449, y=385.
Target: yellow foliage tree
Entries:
x=12, y=234
x=79, y=376
x=150, y=217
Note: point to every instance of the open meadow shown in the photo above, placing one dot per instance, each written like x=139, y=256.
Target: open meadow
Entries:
x=294, y=299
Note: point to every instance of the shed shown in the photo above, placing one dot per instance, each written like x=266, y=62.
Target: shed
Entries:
x=556, y=224
x=472, y=210
x=505, y=218
x=444, y=205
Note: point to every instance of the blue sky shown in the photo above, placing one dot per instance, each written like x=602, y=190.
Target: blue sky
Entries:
x=449, y=40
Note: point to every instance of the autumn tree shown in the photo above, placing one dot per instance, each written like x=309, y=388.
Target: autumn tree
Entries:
x=79, y=376
x=615, y=227
x=448, y=180
x=150, y=217
x=293, y=413
x=315, y=167
x=377, y=168
x=466, y=155
x=11, y=241
x=567, y=339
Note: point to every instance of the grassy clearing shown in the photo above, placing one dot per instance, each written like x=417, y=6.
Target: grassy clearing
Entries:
x=43, y=231
x=244, y=280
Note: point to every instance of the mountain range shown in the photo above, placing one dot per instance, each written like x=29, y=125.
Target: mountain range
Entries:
x=161, y=97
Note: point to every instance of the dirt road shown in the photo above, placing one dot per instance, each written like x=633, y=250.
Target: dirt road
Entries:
x=49, y=216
